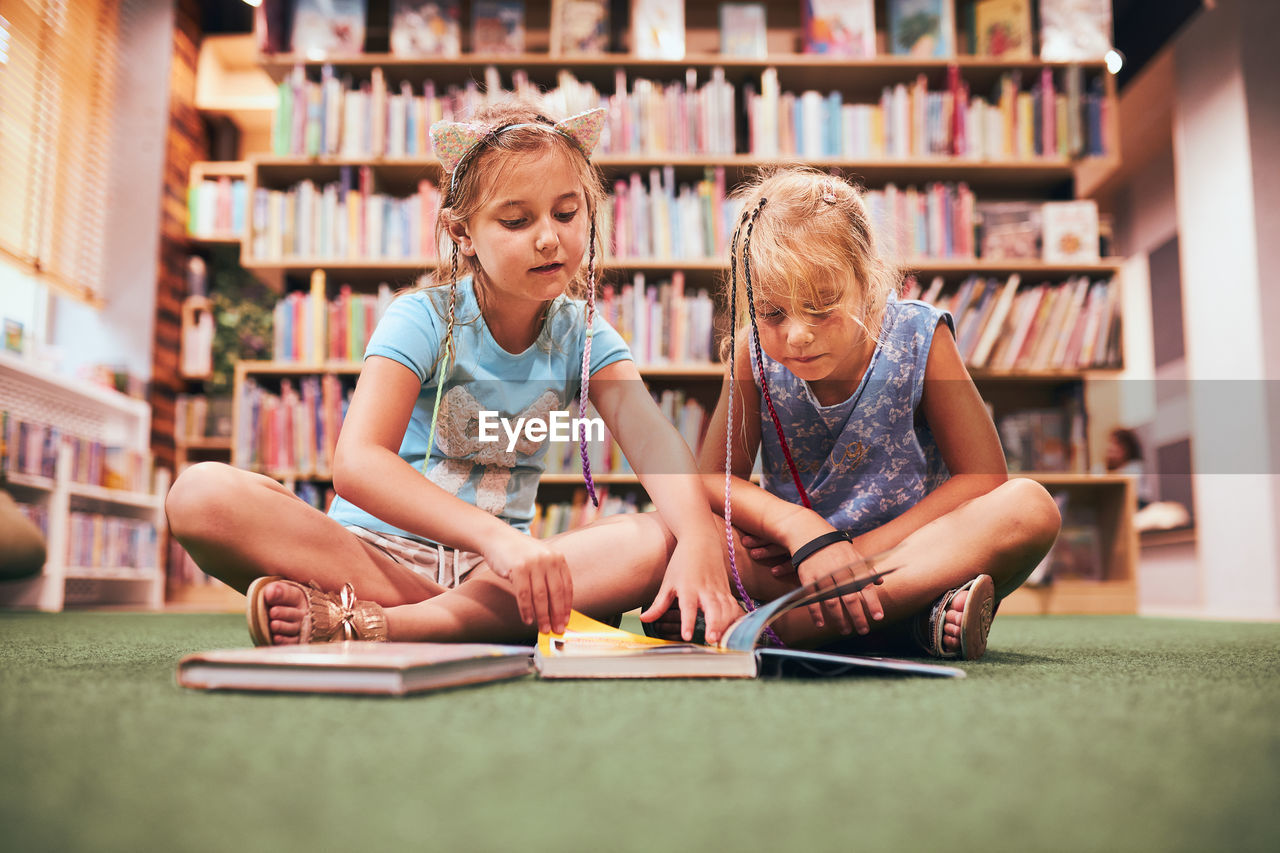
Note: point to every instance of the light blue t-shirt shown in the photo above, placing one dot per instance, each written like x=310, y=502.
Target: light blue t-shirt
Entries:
x=483, y=378
x=868, y=459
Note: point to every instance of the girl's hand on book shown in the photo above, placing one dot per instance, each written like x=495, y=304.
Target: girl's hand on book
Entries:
x=834, y=564
x=696, y=578
x=539, y=577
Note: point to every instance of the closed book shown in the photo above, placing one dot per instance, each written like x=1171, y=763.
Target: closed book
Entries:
x=921, y=28
x=839, y=27
x=1074, y=30
x=1003, y=28
x=392, y=669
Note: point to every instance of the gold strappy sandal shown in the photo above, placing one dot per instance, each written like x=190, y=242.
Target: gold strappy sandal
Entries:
x=331, y=616
x=975, y=621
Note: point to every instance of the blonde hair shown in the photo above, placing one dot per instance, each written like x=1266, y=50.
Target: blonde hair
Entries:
x=512, y=133
x=810, y=234
x=470, y=186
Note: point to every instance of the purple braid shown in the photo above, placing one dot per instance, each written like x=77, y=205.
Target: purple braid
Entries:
x=747, y=601
x=586, y=364
x=759, y=360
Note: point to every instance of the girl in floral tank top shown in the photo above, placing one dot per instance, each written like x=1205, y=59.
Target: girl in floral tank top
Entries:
x=877, y=450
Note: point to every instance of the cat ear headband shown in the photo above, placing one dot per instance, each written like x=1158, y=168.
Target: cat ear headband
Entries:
x=455, y=143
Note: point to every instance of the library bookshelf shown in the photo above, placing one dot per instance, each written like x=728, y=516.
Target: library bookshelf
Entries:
x=84, y=522
x=1043, y=178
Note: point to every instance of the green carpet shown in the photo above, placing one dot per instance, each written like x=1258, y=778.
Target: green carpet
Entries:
x=1073, y=734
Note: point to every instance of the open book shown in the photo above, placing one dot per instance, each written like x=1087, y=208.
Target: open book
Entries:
x=392, y=669
x=591, y=649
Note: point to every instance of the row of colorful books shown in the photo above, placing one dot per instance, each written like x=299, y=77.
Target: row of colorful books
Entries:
x=686, y=414
x=1001, y=325
x=1069, y=29
x=934, y=222
x=551, y=519
x=293, y=432
x=198, y=416
x=344, y=219
x=32, y=448
x=1056, y=117
x=1039, y=440
x=216, y=207
x=308, y=327
x=372, y=118
x=660, y=321
x=661, y=220
x=110, y=544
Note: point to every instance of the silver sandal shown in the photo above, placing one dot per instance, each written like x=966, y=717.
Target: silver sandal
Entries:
x=975, y=621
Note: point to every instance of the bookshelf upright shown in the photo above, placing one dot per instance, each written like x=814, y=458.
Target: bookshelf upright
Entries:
x=399, y=172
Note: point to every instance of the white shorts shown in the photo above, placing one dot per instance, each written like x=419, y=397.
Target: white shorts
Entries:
x=445, y=566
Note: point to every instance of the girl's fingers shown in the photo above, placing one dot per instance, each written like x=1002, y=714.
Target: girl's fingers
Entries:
x=660, y=605
x=558, y=599
x=524, y=597
x=871, y=600
x=542, y=601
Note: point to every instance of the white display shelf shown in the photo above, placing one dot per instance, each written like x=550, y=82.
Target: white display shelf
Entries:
x=37, y=395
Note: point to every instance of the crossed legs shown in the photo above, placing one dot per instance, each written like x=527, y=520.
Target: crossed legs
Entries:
x=238, y=526
x=1003, y=533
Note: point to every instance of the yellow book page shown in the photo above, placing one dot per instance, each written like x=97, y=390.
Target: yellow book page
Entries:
x=586, y=635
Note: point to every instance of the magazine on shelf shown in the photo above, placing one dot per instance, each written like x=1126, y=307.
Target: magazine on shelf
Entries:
x=839, y=27
x=1010, y=230
x=743, y=31
x=579, y=27
x=591, y=649
x=393, y=669
x=921, y=28
x=1075, y=30
x=425, y=28
x=1070, y=231
x=328, y=27
x=497, y=26
x=1002, y=28
x=657, y=29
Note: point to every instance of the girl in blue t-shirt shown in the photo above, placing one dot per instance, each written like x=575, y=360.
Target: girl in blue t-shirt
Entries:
x=872, y=437
x=439, y=456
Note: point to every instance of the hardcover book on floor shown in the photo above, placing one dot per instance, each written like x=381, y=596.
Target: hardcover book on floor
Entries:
x=394, y=669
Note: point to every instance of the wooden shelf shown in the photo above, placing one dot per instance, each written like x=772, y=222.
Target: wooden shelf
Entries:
x=215, y=239
x=34, y=482
x=795, y=68
x=204, y=443
x=1035, y=176
x=115, y=497
x=347, y=368
x=1074, y=596
x=293, y=368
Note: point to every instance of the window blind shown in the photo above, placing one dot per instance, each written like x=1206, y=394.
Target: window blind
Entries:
x=58, y=61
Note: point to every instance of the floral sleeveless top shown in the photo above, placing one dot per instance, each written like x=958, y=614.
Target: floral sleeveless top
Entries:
x=866, y=460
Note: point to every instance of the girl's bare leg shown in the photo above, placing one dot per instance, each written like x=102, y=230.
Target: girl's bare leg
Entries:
x=238, y=526
x=617, y=564
x=1004, y=534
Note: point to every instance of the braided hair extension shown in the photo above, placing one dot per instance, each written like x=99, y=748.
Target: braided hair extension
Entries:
x=749, y=219
x=586, y=363
x=447, y=356
x=759, y=359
